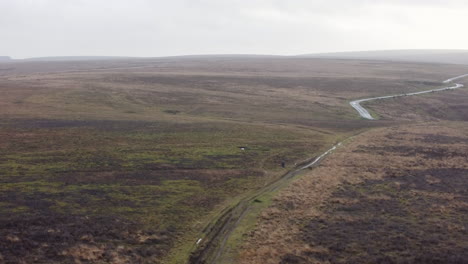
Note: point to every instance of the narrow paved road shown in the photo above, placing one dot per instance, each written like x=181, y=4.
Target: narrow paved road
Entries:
x=365, y=114
x=210, y=246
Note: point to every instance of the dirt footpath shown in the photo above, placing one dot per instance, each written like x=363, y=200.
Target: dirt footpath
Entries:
x=390, y=195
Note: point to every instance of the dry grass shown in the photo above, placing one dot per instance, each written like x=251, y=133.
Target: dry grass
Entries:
x=293, y=91
x=155, y=144
x=450, y=105
x=313, y=220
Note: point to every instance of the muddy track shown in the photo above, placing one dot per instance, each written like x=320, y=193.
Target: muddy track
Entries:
x=365, y=114
x=211, y=246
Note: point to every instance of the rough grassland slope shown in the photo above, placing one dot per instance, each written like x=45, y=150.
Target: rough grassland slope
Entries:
x=389, y=196
x=126, y=161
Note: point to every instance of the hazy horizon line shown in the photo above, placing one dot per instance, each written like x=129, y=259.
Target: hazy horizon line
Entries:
x=232, y=54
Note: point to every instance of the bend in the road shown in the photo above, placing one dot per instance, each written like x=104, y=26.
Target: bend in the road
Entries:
x=356, y=104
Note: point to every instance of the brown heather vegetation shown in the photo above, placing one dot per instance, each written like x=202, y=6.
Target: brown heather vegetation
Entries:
x=126, y=161
x=393, y=195
x=451, y=105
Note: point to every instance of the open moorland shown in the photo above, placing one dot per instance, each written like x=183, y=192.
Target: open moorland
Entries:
x=126, y=161
x=451, y=105
x=393, y=195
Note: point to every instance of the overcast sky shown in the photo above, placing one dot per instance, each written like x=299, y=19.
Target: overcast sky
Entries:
x=34, y=28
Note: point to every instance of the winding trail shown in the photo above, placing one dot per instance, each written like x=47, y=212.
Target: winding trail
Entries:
x=210, y=246
x=365, y=114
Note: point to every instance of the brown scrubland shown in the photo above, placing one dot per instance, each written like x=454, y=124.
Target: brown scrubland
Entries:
x=126, y=161
x=393, y=195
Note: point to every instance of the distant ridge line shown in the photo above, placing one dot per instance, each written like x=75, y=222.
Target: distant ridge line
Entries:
x=450, y=56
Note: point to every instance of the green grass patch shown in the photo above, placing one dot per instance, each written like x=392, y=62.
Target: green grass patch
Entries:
x=167, y=177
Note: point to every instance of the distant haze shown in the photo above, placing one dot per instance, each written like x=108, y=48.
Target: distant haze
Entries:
x=438, y=56
x=152, y=28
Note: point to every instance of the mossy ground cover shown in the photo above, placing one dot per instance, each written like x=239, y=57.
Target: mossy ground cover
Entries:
x=418, y=218
x=391, y=195
x=79, y=183
x=161, y=179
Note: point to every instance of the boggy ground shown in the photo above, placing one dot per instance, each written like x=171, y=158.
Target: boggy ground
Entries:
x=126, y=161
x=449, y=105
x=394, y=195
x=287, y=91
x=127, y=191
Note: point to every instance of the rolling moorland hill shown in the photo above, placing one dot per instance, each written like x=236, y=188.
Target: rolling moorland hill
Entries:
x=128, y=161
x=429, y=56
x=425, y=56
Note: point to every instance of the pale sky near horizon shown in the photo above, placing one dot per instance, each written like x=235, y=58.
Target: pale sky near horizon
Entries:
x=151, y=28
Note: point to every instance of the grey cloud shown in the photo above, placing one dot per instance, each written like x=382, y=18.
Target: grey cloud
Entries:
x=160, y=28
